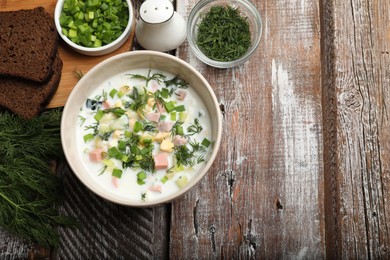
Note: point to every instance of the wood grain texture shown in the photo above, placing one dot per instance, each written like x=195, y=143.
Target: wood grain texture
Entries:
x=356, y=94
x=12, y=247
x=263, y=197
x=73, y=62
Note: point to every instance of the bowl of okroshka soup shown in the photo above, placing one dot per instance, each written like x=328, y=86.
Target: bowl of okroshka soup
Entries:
x=141, y=128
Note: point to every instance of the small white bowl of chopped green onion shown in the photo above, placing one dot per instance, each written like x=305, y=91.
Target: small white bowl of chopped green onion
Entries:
x=94, y=27
x=222, y=33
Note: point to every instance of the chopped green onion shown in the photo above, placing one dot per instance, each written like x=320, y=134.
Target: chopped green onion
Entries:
x=206, y=142
x=108, y=162
x=64, y=32
x=146, y=140
x=180, y=108
x=113, y=92
x=72, y=33
x=169, y=106
x=120, y=94
x=117, y=173
x=128, y=134
x=173, y=116
x=113, y=152
x=165, y=93
x=164, y=179
x=125, y=158
x=122, y=145
x=137, y=126
x=104, y=6
x=99, y=114
x=93, y=23
x=182, y=181
x=182, y=117
x=179, y=130
x=97, y=43
x=117, y=111
x=141, y=176
x=88, y=137
x=145, y=151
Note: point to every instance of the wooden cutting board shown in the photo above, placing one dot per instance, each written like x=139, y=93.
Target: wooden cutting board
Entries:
x=72, y=61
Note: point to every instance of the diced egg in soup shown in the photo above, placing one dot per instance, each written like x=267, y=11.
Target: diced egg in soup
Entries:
x=144, y=134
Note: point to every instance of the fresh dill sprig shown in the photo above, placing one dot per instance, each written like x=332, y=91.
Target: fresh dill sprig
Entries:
x=194, y=128
x=159, y=77
x=29, y=192
x=139, y=100
x=78, y=74
x=189, y=155
x=174, y=129
x=20, y=138
x=177, y=82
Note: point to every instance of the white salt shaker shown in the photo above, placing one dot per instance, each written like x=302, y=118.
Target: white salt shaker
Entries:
x=160, y=28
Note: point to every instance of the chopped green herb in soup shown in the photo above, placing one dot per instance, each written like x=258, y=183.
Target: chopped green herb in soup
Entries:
x=144, y=134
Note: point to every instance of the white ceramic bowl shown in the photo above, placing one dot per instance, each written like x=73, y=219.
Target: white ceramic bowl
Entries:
x=97, y=51
x=245, y=8
x=123, y=63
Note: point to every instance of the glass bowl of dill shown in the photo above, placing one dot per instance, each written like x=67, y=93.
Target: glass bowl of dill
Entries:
x=224, y=34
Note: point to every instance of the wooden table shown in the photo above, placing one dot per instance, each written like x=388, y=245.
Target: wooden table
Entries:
x=304, y=167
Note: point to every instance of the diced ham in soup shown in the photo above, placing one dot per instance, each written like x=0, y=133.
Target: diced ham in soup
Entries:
x=132, y=146
x=96, y=155
x=165, y=126
x=161, y=161
x=179, y=140
x=181, y=94
x=153, y=116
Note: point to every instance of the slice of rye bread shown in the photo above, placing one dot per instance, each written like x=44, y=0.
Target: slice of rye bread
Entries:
x=26, y=98
x=28, y=44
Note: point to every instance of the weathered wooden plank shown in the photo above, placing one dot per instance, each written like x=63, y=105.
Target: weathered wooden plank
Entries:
x=12, y=247
x=263, y=197
x=356, y=51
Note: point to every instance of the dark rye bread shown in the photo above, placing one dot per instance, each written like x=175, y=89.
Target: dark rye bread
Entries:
x=26, y=98
x=28, y=44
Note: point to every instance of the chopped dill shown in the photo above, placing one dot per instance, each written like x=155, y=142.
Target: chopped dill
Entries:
x=176, y=126
x=177, y=82
x=189, y=155
x=139, y=100
x=78, y=73
x=82, y=120
x=159, y=77
x=223, y=34
x=143, y=196
x=194, y=128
